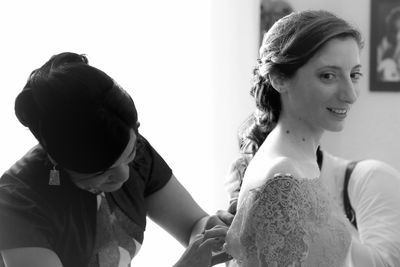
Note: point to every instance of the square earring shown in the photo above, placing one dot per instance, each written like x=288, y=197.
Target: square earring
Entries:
x=54, y=177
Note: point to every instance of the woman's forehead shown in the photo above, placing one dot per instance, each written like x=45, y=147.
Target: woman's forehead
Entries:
x=339, y=52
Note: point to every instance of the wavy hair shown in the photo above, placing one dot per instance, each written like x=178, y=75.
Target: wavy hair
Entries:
x=289, y=44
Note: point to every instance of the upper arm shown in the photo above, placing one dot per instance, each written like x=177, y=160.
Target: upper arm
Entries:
x=30, y=257
x=174, y=209
x=258, y=174
x=374, y=195
x=270, y=219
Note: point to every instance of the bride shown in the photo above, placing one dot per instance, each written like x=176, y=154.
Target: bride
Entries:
x=305, y=83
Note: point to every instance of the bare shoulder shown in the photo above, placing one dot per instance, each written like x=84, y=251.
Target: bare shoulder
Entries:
x=283, y=166
x=263, y=171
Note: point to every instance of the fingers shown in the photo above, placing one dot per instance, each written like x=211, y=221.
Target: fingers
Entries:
x=213, y=238
x=212, y=221
x=197, y=240
x=216, y=231
x=201, y=252
x=220, y=257
x=225, y=217
x=222, y=217
x=232, y=208
x=212, y=244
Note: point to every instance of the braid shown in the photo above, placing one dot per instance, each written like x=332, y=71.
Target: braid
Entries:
x=260, y=123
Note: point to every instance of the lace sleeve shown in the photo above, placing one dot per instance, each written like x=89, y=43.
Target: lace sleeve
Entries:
x=274, y=229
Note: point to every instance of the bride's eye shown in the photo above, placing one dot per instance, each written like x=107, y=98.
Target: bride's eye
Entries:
x=327, y=76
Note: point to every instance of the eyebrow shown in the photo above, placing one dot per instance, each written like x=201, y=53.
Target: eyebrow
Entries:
x=358, y=66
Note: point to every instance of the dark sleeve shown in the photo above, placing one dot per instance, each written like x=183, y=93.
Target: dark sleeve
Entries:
x=23, y=222
x=158, y=172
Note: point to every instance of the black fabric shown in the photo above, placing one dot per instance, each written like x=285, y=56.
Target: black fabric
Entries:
x=350, y=213
x=63, y=218
x=320, y=158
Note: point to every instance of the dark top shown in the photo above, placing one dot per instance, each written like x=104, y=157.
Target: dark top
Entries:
x=63, y=218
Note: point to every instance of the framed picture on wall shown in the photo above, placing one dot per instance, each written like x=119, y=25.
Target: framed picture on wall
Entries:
x=385, y=45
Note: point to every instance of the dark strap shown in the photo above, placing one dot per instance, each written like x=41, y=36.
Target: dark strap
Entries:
x=350, y=213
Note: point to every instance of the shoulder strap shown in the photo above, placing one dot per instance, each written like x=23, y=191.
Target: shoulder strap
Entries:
x=351, y=215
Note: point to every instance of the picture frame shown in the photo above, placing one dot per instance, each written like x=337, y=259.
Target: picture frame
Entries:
x=385, y=46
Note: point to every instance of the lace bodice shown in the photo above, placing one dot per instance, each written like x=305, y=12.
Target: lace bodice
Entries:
x=289, y=222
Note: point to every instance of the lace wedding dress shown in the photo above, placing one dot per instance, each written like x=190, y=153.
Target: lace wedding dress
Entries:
x=289, y=222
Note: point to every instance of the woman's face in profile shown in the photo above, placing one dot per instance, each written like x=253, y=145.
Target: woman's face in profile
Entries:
x=322, y=91
x=114, y=177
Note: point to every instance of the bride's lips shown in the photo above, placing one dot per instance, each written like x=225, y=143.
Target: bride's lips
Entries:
x=339, y=112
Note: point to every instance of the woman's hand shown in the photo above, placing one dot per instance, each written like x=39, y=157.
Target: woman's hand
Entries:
x=200, y=250
x=222, y=217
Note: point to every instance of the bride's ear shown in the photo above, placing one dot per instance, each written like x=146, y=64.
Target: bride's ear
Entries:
x=278, y=82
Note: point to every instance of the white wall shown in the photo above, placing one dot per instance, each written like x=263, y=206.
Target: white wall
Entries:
x=234, y=50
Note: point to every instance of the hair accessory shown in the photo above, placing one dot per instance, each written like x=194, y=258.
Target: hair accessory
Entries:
x=54, y=177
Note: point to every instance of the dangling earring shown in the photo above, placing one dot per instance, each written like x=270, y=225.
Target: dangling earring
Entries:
x=54, y=177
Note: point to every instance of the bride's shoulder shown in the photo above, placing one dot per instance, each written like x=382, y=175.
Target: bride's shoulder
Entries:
x=264, y=171
x=282, y=167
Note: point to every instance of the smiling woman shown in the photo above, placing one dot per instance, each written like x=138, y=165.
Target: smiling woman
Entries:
x=323, y=90
x=304, y=84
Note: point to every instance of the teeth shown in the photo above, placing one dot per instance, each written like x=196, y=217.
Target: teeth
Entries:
x=338, y=111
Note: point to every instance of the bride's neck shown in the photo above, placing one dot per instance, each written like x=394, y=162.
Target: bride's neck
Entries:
x=297, y=139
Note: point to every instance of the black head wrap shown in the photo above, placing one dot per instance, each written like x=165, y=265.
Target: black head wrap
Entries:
x=79, y=115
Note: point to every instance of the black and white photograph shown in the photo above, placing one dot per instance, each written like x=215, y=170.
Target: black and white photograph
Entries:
x=385, y=45
x=199, y=133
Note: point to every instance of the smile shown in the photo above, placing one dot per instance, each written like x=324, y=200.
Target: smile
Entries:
x=338, y=111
